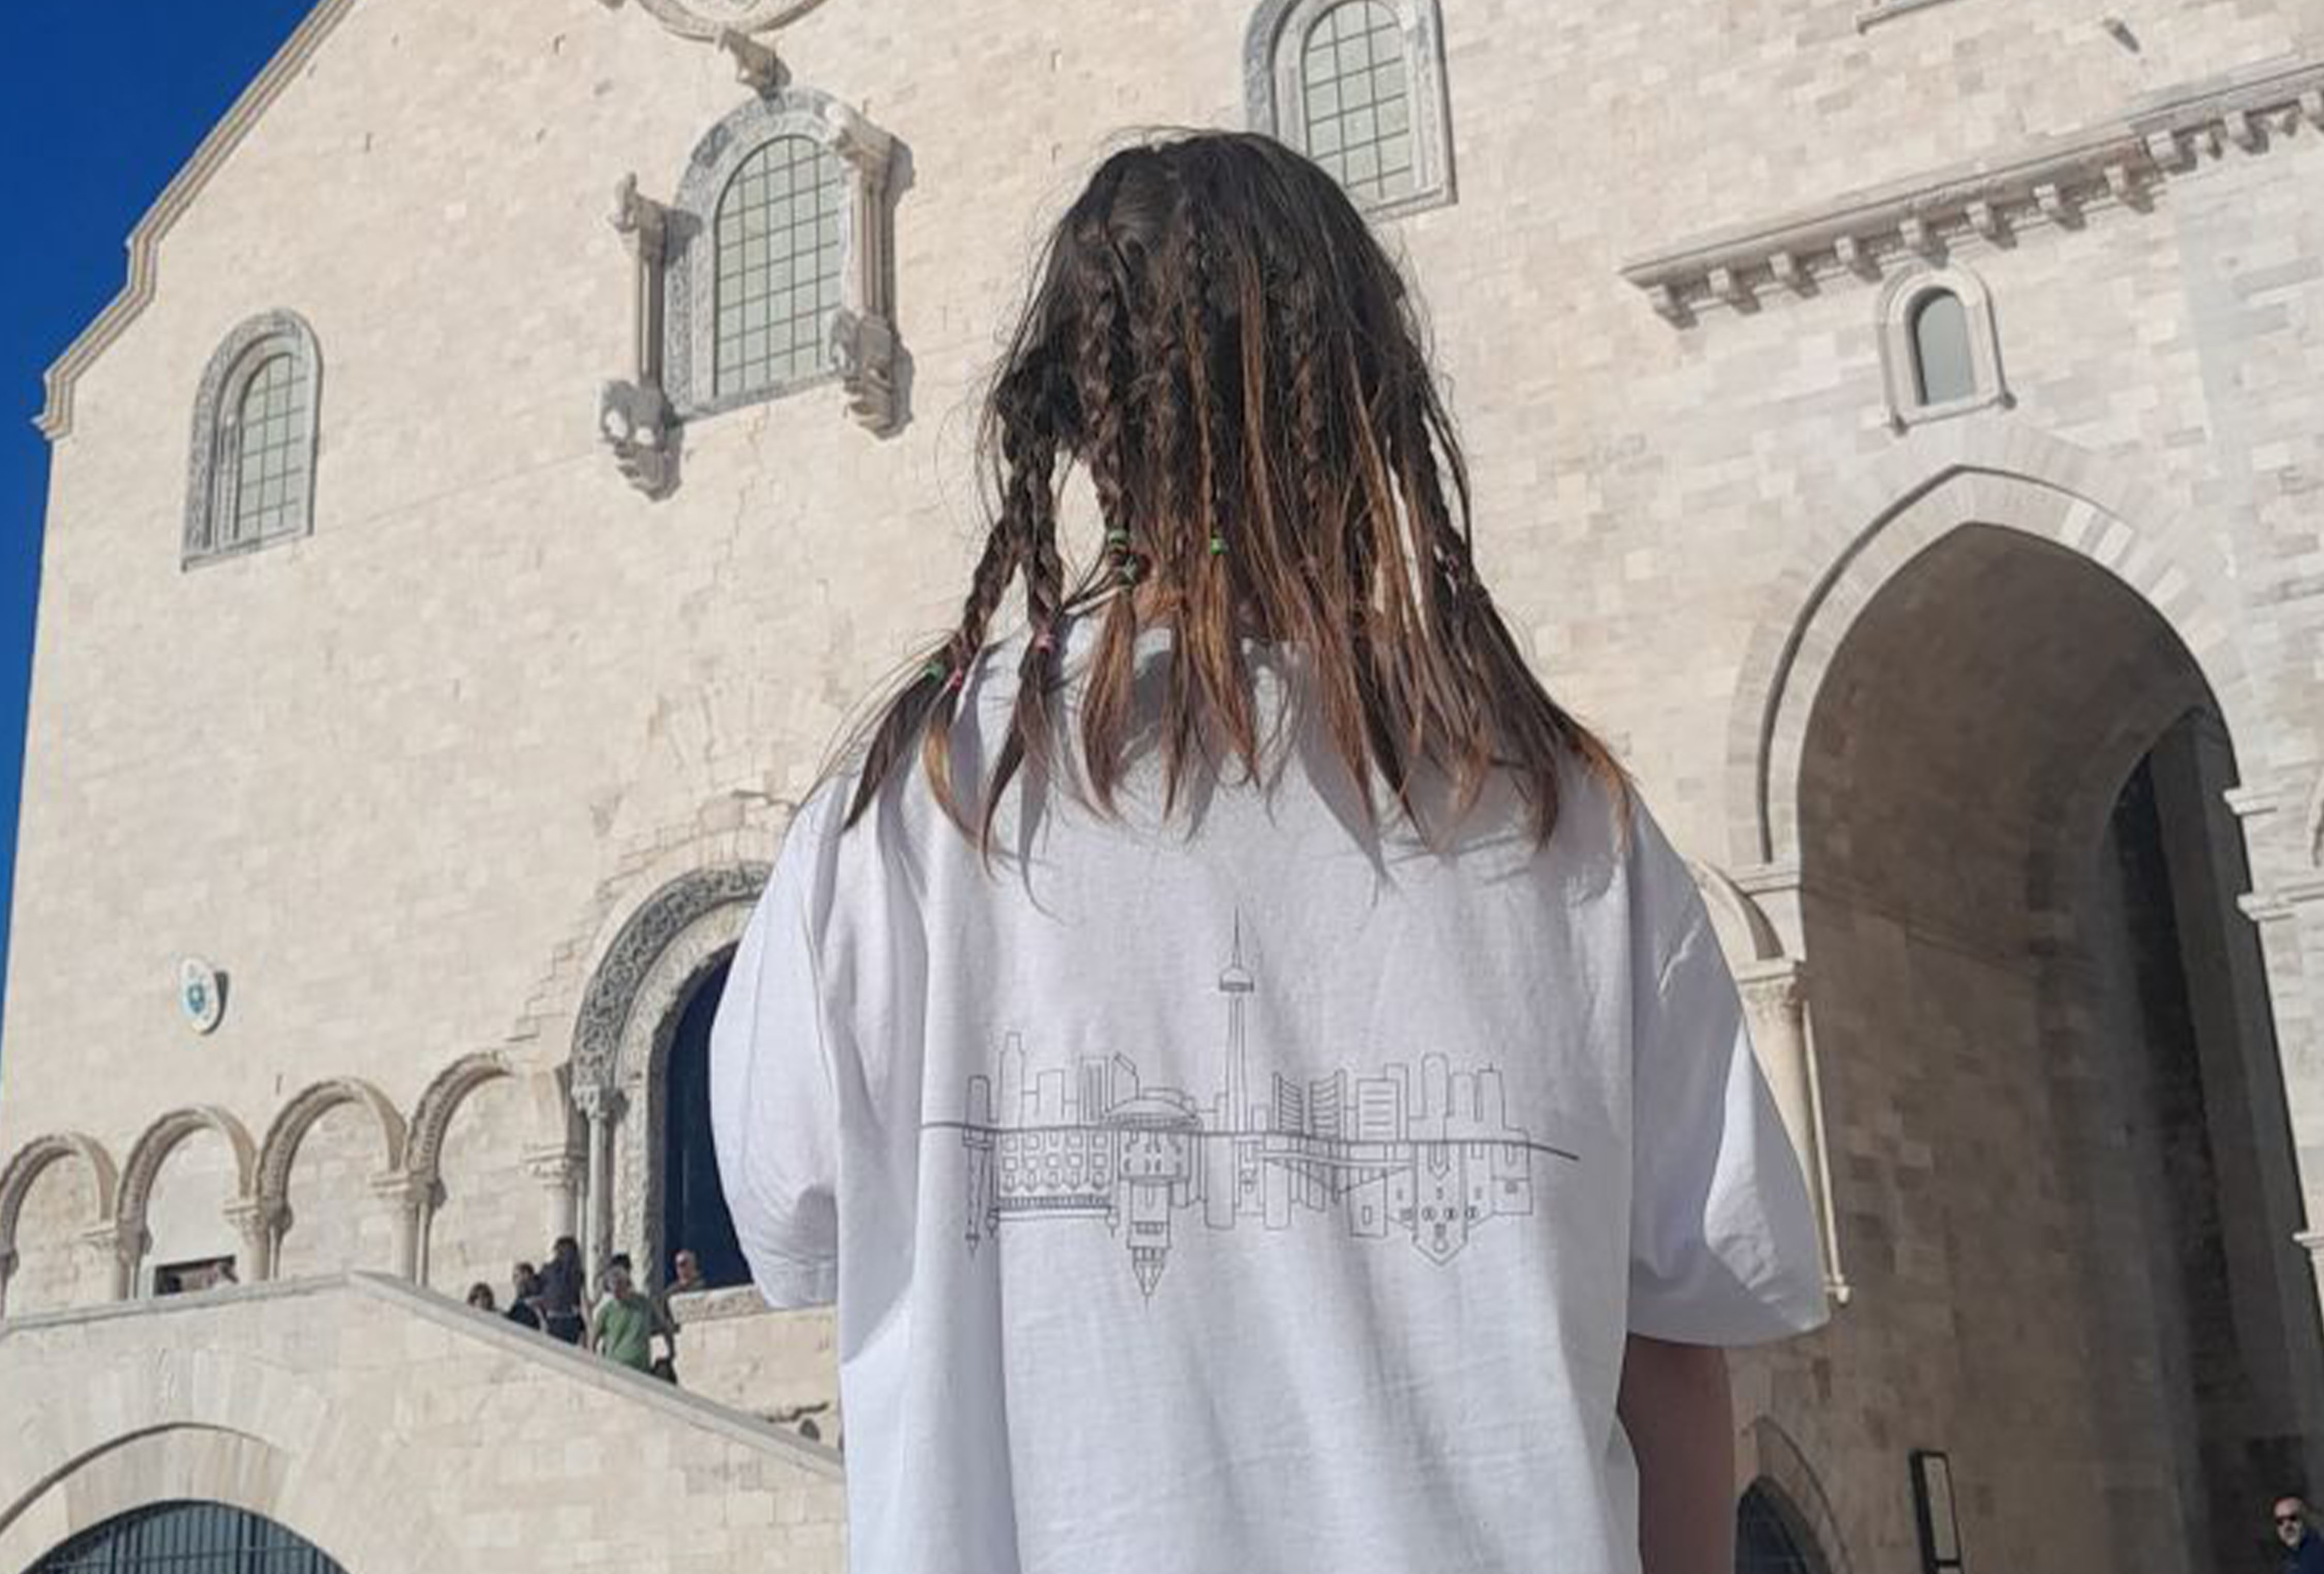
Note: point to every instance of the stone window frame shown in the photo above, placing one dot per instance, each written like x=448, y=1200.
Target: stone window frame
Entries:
x=1274, y=94
x=253, y=344
x=863, y=344
x=1899, y=356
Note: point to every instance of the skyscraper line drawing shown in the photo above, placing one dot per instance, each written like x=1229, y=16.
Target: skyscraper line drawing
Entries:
x=1430, y=1157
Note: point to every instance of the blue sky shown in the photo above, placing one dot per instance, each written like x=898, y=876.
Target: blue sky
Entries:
x=99, y=106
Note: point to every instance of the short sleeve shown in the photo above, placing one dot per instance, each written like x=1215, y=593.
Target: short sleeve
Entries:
x=774, y=1108
x=1723, y=1244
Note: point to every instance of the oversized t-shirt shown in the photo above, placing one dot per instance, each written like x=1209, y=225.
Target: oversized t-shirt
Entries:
x=1245, y=1189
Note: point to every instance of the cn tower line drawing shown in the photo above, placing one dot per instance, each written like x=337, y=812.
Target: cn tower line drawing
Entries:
x=1429, y=1158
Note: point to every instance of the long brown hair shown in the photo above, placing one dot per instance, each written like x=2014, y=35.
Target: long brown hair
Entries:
x=1219, y=340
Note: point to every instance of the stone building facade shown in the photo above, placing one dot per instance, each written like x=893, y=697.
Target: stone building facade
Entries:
x=529, y=430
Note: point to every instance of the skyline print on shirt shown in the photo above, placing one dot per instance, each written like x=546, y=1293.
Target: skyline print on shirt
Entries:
x=1431, y=1158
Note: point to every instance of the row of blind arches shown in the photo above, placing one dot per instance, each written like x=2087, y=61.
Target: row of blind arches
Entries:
x=214, y=1538
x=1358, y=84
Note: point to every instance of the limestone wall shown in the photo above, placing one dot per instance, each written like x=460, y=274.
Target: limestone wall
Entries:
x=322, y=1405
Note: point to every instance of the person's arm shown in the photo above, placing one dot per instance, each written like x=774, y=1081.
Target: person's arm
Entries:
x=1675, y=1405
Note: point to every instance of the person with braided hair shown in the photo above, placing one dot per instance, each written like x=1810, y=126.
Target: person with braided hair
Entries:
x=1260, y=1086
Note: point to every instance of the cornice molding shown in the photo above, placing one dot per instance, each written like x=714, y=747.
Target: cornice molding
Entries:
x=56, y=419
x=2054, y=180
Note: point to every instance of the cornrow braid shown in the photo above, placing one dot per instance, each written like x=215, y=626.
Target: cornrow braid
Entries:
x=1219, y=340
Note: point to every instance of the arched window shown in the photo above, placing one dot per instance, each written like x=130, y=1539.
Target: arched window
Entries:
x=778, y=237
x=777, y=276
x=693, y=1216
x=1768, y=1538
x=188, y=1538
x=1358, y=85
x=252, y=471
x=1941, y=372
x=1940, y=353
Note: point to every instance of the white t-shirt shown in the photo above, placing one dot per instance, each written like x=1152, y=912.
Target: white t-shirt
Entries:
x=1254, y=1195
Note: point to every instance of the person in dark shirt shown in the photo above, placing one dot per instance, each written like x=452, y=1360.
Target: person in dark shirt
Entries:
x=2303, y=1548
x=562, y=1294
x=524, y=1297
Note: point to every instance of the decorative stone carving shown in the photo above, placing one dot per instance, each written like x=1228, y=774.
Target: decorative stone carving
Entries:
x=260, y=1221
x=866, y=349
x=613, y=990
x=410, y=1198
x=874, y=379
x=279, y=1150
x=634, y=417
x=2112, y=163
x=635, y=423
x=423, y=1152
x=159, y=1140
x=756, y=65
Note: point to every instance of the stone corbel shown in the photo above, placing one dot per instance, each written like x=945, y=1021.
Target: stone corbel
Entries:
x=866, y=351
x=2056, y=206
x=634, y=417
x=756, y=66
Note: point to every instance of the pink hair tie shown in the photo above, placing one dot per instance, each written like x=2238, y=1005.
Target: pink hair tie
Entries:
x=1045, y=641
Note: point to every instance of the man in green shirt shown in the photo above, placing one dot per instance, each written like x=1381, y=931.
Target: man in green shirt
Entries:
x=625, y=1322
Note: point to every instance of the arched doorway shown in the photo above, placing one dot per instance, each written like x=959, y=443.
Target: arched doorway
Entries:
x=2065, y=1175
x=1769, y=1537
x=693, y=1216
x=188, y=1538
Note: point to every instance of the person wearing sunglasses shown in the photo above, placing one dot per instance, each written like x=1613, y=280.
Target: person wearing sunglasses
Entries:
x=2303, y=1548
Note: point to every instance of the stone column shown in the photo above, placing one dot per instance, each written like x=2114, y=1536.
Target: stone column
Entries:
x=260, y=1222
x=413, y=1197
x=602, y=1106
x=1775, y=1003
x=121, y=1248
x=560, y=1171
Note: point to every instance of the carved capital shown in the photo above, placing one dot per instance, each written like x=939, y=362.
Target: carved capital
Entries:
x=1775, y=994
x=114, y=1242
x=258, y=1218
x=599, y=1102
x=402, y=1189
x=560, y=1169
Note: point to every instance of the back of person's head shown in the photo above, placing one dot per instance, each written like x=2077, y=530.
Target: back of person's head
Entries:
x=1216, y=337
